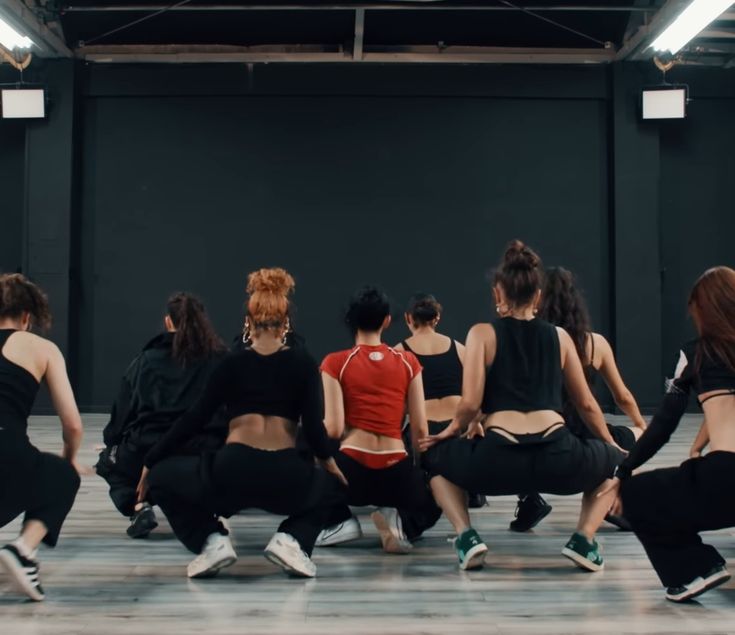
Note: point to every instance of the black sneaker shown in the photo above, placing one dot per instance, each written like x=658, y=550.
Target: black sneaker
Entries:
x=476, y=501
x=530, y=511
x=24, y=572
x=715, y=577
x=143, y=522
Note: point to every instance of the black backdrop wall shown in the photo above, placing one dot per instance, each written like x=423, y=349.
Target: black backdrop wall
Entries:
x=188, y=177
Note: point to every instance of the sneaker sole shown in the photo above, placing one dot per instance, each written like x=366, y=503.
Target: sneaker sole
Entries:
x=547, y=511
x=329, y=542
x=475, y=558
x=391, y=544
x=582, y=562
x=214, y=569
x=276, y=559
x=20, y=582
x=708, y=584
x=142, y=532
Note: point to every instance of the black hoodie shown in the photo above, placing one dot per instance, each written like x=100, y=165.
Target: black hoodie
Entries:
x=155, y=391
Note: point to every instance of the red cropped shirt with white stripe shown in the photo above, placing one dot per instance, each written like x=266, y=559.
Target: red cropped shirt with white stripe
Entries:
x=374, y=381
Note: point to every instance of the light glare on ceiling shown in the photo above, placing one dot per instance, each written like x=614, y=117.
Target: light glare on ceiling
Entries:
x=689, y=23
x=11, y=39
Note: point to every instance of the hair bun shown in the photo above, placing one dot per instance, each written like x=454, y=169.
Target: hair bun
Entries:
x=276, y=281
x=519, y=257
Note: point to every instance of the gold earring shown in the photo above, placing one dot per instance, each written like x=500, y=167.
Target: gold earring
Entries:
x=246, y=334
x=286, y=331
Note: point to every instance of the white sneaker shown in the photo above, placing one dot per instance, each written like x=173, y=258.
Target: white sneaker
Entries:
x=339, y=534
x=390, y=528
x=285, y=551
x=217, y=554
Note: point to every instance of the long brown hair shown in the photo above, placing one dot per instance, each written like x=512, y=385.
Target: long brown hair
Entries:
x=563, y=305
x=18, y=295
x=195, y=338
x=712, y=307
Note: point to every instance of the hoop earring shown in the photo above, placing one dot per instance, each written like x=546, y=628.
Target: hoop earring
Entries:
x=246, y=334
x=286, y=331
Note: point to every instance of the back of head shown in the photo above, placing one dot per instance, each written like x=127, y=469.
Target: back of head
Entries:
x=520, y=274
x=712, y=307
x=367, y=310
x=268, y=304
x=563, y=305
x=195, y=338
x=18, y=296
x=423, y=308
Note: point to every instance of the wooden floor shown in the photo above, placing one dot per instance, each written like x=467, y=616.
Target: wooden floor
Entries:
x=98, y=581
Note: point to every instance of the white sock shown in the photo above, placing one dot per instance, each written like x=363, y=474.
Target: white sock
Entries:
x=23, y=548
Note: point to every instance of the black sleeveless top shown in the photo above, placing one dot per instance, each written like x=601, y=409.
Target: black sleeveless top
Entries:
x=18, y=389
x=442, y=372
x=526, y=373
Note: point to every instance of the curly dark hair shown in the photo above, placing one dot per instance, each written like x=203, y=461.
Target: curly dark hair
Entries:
x=563, y=305
x=367, y=310
x=18, y=295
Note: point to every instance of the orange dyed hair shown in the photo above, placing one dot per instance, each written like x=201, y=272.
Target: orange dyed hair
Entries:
x=712, y=307
x=269, y=290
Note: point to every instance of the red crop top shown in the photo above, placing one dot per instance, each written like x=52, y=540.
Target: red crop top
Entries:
x=374, y=382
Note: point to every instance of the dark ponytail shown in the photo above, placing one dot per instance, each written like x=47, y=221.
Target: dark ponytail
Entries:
x=520, y=273
x=423, y=308
x=195, y=338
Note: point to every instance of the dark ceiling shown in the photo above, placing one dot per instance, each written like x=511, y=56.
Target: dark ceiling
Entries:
x=407, y=30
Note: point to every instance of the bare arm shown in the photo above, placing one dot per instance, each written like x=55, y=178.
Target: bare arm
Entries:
x=62, y=397
x=334, y=407
x=701, y=441
x=610, y=373
x=461, y=349
x=579, y=391
x=473, y=376
x=417, y=410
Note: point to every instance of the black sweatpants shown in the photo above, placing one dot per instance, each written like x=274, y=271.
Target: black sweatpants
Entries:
x=558, y=463
x=667, y=509
x=402, y=485
x=42, y=485
x=194, y=491
x=121, y=466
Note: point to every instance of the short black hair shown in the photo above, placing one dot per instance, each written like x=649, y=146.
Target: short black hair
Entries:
x=367, y=310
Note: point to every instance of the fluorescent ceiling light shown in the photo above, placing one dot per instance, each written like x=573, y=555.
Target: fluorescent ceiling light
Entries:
x=11, y=39
x=689, y=23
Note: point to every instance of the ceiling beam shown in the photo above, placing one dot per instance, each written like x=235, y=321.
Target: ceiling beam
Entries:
x=374, y=6
x=317, y=54
x=49, y=44
x=357, y=43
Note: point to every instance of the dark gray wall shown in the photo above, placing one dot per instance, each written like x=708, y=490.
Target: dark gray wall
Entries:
x=150, y=179
x=12, y=188
x=409, y=193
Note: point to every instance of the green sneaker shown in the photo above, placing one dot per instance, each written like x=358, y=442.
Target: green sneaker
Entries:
x=470, y=550
x=584, y=554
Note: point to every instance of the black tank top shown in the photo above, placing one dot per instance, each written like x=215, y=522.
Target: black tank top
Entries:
x=442, y=374
x=18, y=389
x=526, y=373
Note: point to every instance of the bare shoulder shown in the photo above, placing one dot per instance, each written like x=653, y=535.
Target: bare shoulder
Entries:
x=601, y=344
x=482, y=330
x=564, y=338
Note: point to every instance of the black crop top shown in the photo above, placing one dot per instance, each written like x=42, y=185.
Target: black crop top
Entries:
x=18, y=390
x=442, y=372
x=712, y=376
x=526, y=373
x=284, y=384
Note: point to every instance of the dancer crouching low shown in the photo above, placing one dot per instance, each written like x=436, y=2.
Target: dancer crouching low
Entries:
x=513, y=373
x=267, y=388
x=367, y=390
